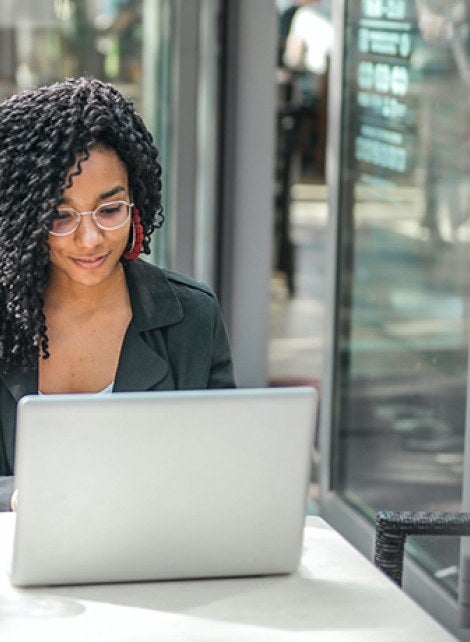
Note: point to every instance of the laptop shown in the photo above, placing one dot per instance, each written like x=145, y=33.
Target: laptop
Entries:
x=161, y=485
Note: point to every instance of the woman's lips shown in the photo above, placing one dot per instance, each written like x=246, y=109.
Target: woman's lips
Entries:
x=90, y=263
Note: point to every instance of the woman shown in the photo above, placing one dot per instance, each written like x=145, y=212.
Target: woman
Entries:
x=80, y=195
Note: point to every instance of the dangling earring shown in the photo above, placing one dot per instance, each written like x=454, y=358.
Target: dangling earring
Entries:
x=137, y=237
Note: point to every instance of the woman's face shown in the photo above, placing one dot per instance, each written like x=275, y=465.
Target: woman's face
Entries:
x=90, y=255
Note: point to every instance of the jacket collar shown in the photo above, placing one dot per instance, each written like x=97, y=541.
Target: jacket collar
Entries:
x=154, y=301
x=155, y=304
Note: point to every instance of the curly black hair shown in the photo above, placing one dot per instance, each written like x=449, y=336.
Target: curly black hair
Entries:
x=43, y=133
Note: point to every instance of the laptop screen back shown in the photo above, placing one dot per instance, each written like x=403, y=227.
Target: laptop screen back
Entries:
x=164, y=485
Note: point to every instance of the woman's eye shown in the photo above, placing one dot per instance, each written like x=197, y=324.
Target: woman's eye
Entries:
x=112, y=210
x=62, y=216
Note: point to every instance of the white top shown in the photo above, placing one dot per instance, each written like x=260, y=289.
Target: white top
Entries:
x=336, y=595
x=309, y=41
x=100, y=392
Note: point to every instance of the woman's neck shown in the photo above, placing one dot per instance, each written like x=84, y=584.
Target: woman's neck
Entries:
x=81, y=299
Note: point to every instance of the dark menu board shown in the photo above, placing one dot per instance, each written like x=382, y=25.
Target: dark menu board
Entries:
x=378, y=50
x=407, y=94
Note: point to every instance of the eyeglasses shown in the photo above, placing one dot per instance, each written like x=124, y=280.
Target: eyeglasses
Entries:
x=108, y=216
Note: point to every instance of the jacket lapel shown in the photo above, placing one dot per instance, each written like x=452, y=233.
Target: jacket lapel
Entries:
x=20, y=383
x=155, y=305
x=139, y=368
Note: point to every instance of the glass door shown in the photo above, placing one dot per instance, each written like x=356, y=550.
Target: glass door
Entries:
x=403, y=285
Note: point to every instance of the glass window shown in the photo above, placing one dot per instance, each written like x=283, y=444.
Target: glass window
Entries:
x=47, y=40
x=305, y=35
x=404, y=263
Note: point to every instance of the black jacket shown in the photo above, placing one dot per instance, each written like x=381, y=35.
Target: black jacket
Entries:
x=176, y=340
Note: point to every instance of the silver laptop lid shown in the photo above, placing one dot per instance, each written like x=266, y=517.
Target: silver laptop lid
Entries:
x=161, y=485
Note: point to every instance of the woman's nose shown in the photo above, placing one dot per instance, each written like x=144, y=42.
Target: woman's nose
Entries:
x=88, y=233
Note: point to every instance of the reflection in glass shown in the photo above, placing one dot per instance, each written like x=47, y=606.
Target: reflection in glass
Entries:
x=47, y=40
x=404, y=263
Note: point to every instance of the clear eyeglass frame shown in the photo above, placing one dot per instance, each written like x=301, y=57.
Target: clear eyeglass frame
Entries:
x=93, y=215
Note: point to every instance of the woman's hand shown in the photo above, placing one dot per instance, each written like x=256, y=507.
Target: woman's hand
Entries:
x=14, y=500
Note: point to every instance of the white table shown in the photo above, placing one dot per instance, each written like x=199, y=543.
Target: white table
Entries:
x=335, y=595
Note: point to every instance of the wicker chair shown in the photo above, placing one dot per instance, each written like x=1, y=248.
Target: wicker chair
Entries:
x=392, y=528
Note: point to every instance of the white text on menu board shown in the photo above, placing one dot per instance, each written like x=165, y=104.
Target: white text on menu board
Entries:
x=383, y=83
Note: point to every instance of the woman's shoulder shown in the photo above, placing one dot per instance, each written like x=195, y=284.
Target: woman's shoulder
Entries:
x=155, y=287
x=151, y=275
x=192, y=294
x=185, y=281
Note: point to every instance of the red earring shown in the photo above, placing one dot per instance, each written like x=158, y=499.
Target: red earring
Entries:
x=137, y=237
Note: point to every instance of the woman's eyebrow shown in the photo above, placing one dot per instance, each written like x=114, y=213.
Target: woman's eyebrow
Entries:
x=112, y=192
